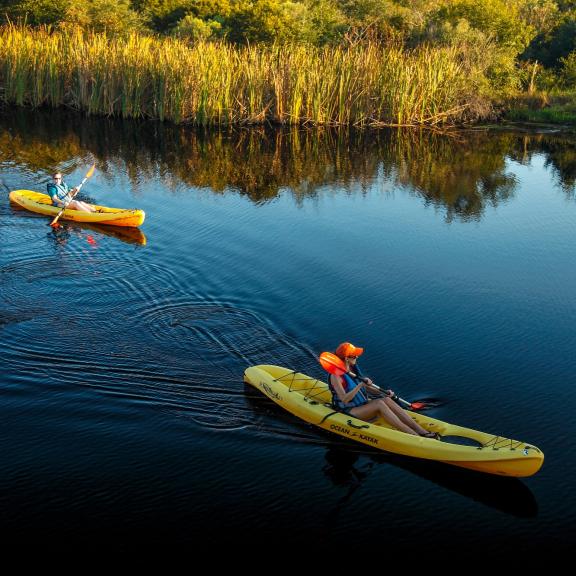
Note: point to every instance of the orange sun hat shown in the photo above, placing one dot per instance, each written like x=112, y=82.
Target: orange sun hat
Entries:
x=346, y=349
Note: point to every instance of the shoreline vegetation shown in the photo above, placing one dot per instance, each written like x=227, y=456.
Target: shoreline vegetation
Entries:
x=352, y=63
x=557, y=110
x=216, y=83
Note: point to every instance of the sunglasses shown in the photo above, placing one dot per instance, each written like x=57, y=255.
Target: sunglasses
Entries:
x=352, y=357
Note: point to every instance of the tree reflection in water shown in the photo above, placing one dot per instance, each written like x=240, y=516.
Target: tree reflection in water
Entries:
x=461, y=172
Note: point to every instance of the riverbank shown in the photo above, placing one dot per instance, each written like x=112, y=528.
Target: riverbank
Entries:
x=219, y=84
x=559, y=109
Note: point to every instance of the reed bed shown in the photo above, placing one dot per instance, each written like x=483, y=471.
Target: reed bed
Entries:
x=220, y=84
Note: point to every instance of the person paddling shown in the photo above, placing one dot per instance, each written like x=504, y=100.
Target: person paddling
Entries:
x=62, y=196
x=349, y=395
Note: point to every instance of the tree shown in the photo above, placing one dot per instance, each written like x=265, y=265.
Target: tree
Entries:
x=112, y=16
x=500, y=19
x=327, y=22
x=165, y=15
x=492, y=33
x=267, y=21
x=195, y=28
x=40, y=11
x=551, y=47
x=569, y=70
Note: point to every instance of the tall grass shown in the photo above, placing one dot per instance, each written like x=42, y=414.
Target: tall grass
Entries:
x=208, y=83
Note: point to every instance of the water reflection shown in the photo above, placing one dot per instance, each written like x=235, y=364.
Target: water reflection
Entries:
x=461, y=173
x=347, y=465
x=92, y=233
x=348, y=468
x=560, y=157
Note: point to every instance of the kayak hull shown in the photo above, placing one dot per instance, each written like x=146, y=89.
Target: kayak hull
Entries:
x=310, y=400
x=42, y=204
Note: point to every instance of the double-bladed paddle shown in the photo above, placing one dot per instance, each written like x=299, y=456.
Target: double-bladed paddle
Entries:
x=335, y=365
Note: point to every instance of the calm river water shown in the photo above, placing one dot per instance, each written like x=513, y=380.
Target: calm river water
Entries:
x=124, y=418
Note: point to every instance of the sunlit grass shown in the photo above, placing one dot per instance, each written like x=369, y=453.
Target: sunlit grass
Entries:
x=217, y=84
x=558, y=108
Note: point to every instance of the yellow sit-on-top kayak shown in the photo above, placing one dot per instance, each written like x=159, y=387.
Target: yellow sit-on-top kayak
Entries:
x=42, y=204
x=310, y=399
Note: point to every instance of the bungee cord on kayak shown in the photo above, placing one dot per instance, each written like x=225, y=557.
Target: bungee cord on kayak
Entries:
x=311, y=400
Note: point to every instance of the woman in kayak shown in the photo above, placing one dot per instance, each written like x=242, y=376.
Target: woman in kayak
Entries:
x=63, y=196
x=349, y=396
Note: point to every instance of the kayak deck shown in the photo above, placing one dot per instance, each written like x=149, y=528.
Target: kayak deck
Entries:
x=42, y=204
x=310, y=399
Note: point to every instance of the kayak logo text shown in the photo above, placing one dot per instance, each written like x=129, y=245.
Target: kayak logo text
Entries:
x=348, y=432
x=269, y=391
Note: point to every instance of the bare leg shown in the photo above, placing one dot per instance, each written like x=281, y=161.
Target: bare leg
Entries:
x=82, y=206
x=380, y=408
x=405, y=417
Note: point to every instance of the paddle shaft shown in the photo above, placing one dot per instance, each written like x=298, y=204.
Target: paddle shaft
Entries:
x=90, y=172
x=394, y=397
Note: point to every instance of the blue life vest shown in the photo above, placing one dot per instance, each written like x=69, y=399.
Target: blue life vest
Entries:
x=61, y=191
x=350, y=383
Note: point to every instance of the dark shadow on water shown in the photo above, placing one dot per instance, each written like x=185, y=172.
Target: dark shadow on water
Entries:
x=508, y=495
x=348, y=464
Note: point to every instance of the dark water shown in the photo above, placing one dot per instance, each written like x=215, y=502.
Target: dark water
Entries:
x=124, y=419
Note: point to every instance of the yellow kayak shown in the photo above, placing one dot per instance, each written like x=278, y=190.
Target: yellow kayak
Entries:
x=310, y=399
x=42, y=204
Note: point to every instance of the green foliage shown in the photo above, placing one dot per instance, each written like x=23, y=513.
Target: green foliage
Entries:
x=498, y=19
x=569, y=70
x=492, y=30
x=377, y=13
x=165, y=15
x=194, y=28
x=268, y=21
x=216, y=83
x=542, y=15
x=566, y=5
x=113, y=16
x=500, y=40
x=40, y=11
x=555, y=22
x=557, y=43
x=327, y=23
x=551, y=115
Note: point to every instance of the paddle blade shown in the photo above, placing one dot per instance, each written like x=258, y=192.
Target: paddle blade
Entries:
x=417, y=405
x=332, y=364
x=54, y=222
x=91, y=171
